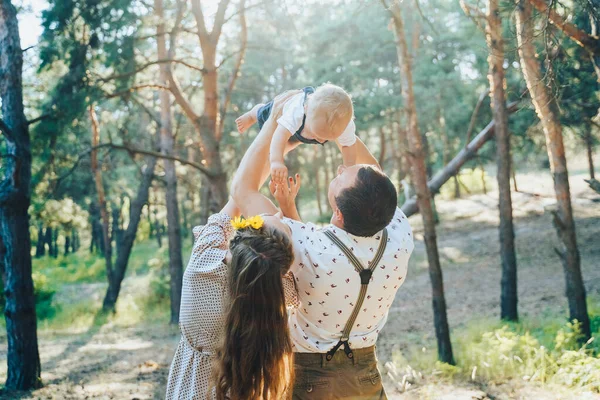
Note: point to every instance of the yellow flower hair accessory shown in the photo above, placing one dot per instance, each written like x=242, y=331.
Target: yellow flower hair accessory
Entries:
x=239, y=223
x=255, y=222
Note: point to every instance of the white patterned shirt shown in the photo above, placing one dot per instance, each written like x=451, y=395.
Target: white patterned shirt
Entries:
x=328, y=285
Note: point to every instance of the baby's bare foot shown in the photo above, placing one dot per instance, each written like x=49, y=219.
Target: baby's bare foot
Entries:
x=247, y=120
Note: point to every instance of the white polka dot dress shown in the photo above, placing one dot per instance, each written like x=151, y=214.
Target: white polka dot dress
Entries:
x=202, y=314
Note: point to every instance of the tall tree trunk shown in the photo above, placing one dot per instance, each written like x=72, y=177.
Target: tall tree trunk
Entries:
x=97, y=242
x=158, y=228
x=402, y=161
x=166, y=146
x=125, y=245
x=96, y=171
x=194, y=220
x=495, y=42
x=547, y=111
x=207, y=125
x=40, y=249
x=115, y=225
x=48, y=238
x=74, y=240
x=185, y=217
x=15, y=197
x=382, y=146
x=514, y=177
x=55, y=243
x=589, y=144
x=149, y=220
x=67, y=244
x=204, y=200
x=419, y=174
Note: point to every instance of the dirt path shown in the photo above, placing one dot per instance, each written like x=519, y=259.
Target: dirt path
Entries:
x=118, y=363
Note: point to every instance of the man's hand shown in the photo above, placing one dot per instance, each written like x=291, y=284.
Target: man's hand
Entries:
x=286, y=194
x=278, y=172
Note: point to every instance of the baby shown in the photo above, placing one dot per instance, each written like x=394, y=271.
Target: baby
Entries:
x=313, y=117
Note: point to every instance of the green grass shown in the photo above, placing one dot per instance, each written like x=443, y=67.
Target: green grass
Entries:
x=148, y=266
x=84, y=267
x=542, y=349
x=147, y=302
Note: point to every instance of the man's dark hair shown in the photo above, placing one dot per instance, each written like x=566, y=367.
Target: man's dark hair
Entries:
x=369, y=205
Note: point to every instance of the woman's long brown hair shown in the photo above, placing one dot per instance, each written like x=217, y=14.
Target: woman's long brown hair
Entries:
x=255, y=360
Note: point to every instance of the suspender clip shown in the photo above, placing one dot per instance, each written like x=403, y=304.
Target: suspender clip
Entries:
x=348, y=350
x=331, y=352
x=365, y=276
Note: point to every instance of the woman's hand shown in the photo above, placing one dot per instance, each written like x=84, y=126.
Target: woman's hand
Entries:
x=286, y=194
x=279, y=102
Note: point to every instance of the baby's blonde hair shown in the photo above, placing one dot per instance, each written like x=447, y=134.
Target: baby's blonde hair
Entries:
x=335, y=104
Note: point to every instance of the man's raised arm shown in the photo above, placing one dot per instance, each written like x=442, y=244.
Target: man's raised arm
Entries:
x=364, y=156
x=254, y=168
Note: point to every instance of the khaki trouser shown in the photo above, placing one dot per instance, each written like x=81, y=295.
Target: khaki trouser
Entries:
x=341, y=378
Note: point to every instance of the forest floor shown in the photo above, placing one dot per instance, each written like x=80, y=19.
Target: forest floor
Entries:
x=106, y=360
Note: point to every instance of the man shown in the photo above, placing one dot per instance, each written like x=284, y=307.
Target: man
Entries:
x=346, y=273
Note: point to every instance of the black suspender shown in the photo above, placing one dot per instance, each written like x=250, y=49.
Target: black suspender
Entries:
x=365, y=278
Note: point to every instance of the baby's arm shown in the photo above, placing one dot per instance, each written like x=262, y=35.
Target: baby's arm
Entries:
x=279, y=171
x=348, y=154
x=347, y=144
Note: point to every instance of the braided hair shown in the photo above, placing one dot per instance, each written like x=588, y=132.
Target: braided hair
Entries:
x=255, y=360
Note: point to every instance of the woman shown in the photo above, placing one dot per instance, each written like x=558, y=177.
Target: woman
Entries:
x=234, y=335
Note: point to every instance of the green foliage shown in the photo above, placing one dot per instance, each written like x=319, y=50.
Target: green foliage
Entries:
x=65, y=214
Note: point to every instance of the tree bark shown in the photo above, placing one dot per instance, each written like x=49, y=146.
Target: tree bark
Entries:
x=166, y=146
x=125, y=245
x=40, y=248
x=382, y=146
x=547, y=111
x=589, y=144
x=115, y=228
x=96, y=171
x=97, y=242
x=49, y=239
x=419, y=175
x=15, y=197
x=207, y=125
x=74, y=240
x=411, y=207
x=67, y=244
x=495, y=42
x=55, y=243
